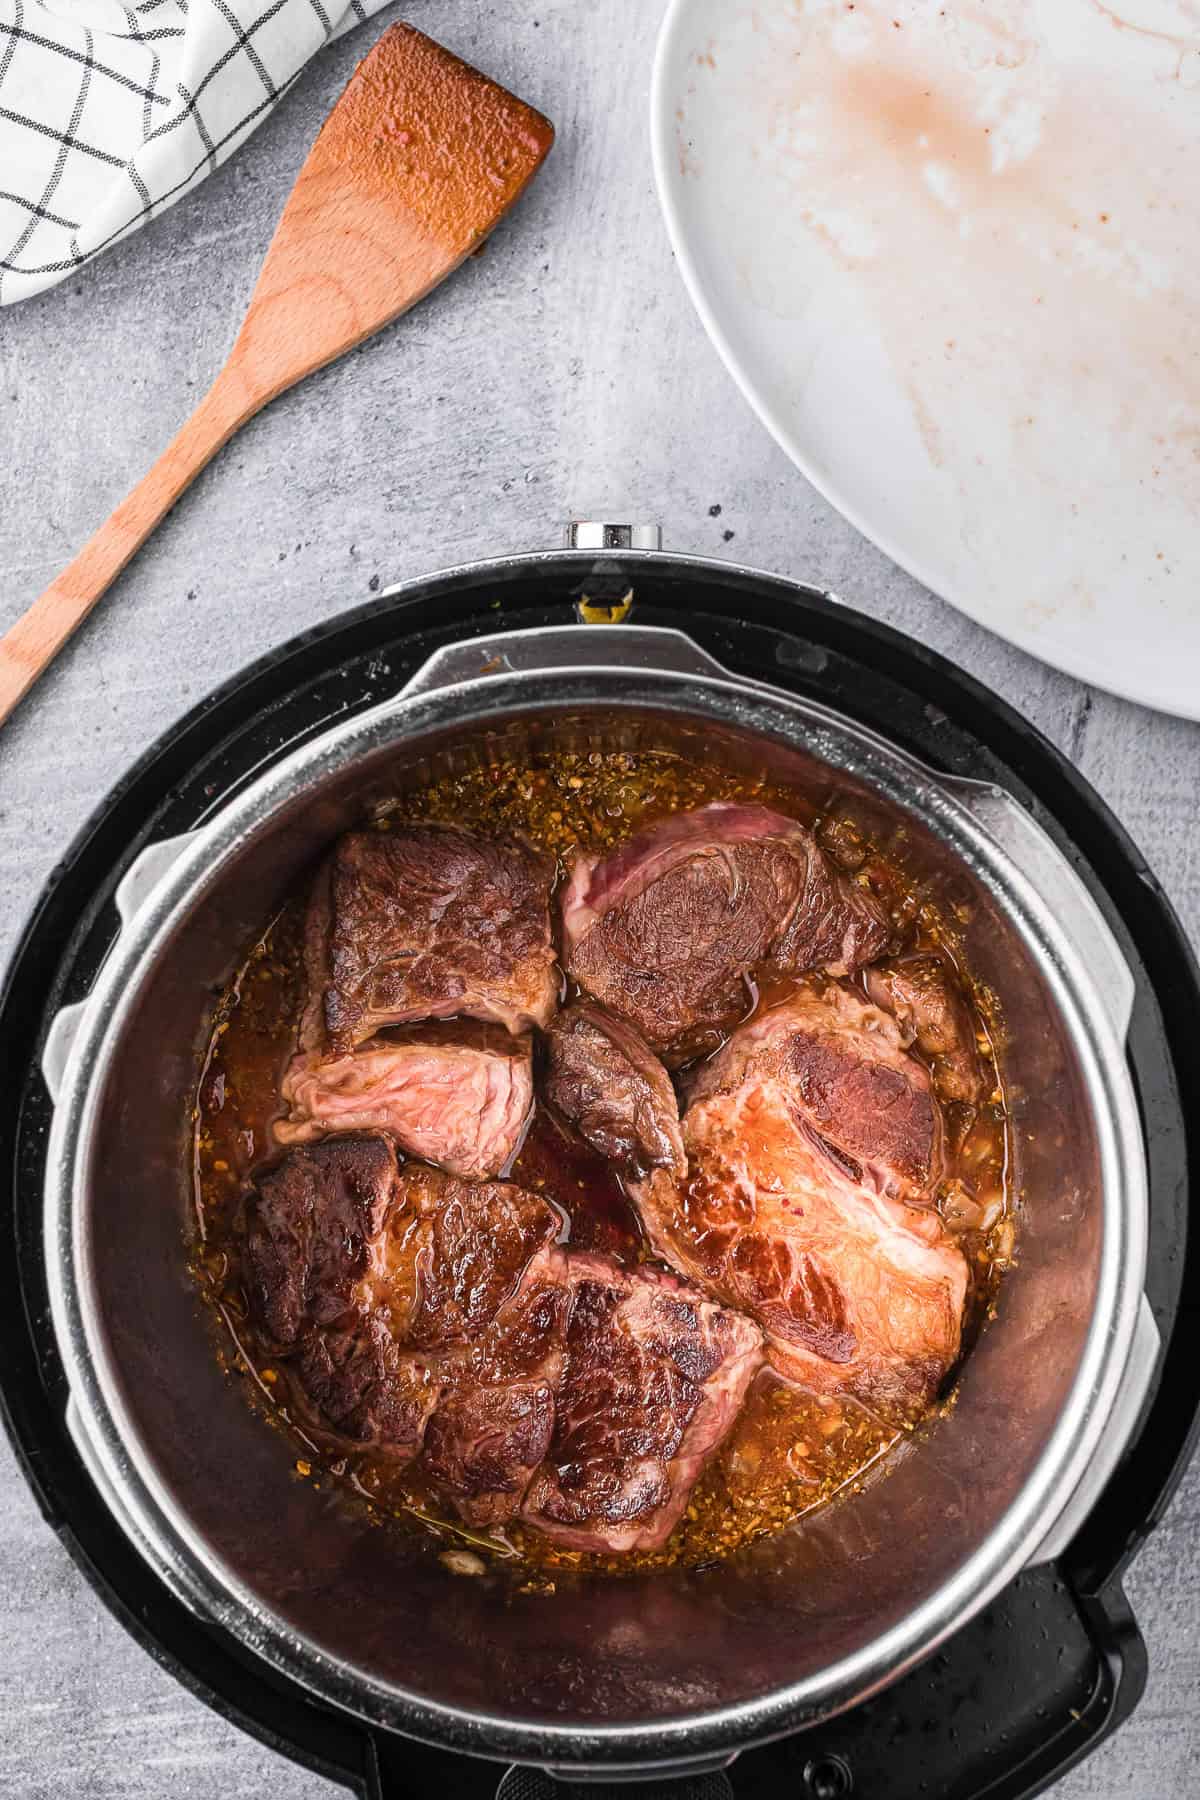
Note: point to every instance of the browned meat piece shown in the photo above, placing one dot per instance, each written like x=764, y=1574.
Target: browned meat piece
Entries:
x=457, y=1095
x=668, y=930
x=931, y=1010
x=392, y=1291
x=484, y=1444
x=605, y=1082
x=855, y=1289
x=427, y=1316
x=426, y=922
x=469, y=1273
x=654, y=1377
x=359, y=1384
x=312, y=1227
x=495, y=1424
x=309, y=1228
x=453, y=1253
x=851, y=1084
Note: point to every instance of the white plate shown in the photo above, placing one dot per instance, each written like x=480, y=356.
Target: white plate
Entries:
x=951, y=254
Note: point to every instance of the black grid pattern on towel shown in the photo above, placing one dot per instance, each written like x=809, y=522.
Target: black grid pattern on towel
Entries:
x=88, y=115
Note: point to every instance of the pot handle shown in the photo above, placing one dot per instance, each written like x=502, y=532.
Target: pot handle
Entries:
x=544, y=648
x=400, y=1767
x=1131, y=1397
x=1042, y=863
x=143, y=874
x=56, y=1050
x=702, y=1780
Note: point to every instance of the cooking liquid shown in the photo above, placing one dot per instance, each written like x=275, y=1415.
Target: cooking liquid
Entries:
x=789, y=1452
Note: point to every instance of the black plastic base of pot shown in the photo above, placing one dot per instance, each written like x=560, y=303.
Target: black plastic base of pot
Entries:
x=1054, y=1664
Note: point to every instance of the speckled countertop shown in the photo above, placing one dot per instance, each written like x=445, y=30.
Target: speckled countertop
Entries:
x=561, y=373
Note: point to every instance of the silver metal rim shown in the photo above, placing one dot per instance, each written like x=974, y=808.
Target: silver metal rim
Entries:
x=166, y=1538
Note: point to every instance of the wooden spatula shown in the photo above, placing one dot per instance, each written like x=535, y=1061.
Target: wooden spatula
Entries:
x=419, y=159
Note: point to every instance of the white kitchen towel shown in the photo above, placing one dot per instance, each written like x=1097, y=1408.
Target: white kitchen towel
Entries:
x=110, y=113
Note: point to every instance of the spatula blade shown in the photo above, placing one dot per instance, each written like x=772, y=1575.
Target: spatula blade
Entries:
x=421, y=157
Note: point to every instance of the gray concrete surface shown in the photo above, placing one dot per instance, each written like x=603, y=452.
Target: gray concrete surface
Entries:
x=561, y=373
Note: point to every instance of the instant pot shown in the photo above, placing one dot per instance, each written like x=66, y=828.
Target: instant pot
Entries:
x=960, y=1627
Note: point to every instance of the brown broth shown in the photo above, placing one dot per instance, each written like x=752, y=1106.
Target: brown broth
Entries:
x=790, y=1451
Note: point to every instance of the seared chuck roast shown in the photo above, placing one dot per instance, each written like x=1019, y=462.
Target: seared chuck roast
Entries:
x=310, y=1225
x=453, y=1253
x=804, y=1135
x=426, y=922
x=850, y=1084
x=428, y=1316
x=457, y=1095
x=667, y=930
x=654, y=1377
x=391, y=1288
x=362, y=1388
x=313, y=1227
x=603, y=1080
x=494, y=1424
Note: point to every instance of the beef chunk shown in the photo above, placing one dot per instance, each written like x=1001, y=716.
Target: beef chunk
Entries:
x=470, y=1276
x=653, y=1379
x=794, y=1210
x=850, y=1082
x=605, y=1082
x=454, y=1252
x=426, y=922
x=313, y=1226
x=485, y=1443
x=392, y=1291
x=358, y=1386
x=931, y=1010
x=667, y=930
x=457, y=1095
x=434, y=1318
x=309, y=1226
x=494, y=1426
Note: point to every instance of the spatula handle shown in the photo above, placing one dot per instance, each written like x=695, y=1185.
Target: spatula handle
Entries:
x=40, y=633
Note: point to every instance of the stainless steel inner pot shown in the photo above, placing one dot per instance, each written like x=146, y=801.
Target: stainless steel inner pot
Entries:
x=679, y=1668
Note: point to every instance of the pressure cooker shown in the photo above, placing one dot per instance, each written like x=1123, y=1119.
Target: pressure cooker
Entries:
x=678, y=1673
